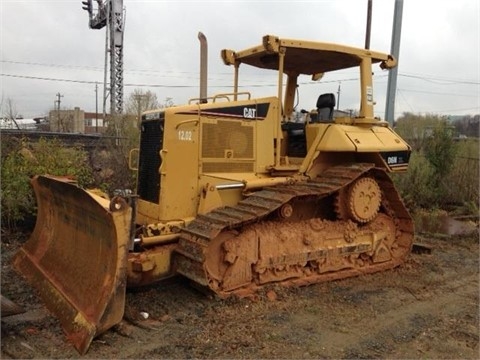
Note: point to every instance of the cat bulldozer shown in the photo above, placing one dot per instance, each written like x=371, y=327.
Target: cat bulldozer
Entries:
x=234, y=192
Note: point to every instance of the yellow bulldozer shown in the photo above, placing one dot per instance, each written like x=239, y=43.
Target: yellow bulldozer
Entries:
x=233, y=194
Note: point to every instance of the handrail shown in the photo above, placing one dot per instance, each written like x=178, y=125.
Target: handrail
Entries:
x=186, y=122
x=221, y=96
x=249, y=96
x=199, y=100
x=130, y=157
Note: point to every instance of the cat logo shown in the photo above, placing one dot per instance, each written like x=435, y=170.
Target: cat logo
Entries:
x=249, y=113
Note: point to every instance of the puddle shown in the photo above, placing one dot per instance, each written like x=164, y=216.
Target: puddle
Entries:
x=442, y=223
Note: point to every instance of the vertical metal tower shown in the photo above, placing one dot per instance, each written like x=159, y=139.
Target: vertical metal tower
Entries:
x=110, y=13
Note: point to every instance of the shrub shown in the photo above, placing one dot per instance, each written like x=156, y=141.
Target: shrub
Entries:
x=23, y=161
x=415, y=185
x=462, y=182
x=440, y=152
x=452, y=182
x=112, y=164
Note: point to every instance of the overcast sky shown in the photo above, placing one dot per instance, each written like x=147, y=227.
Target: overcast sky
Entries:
x=47, y=48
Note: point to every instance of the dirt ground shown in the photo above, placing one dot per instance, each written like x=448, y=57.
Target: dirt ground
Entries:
x=427, y=308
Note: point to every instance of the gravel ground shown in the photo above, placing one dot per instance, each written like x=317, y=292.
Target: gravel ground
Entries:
x=427, y=308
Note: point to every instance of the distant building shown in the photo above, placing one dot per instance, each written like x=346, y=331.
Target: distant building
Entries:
x=77, y=121
x=67, y=121
x=22, y=124
x=94, y=123
x=70, y=121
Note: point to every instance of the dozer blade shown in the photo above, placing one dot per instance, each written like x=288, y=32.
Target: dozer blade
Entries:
x=76, y=257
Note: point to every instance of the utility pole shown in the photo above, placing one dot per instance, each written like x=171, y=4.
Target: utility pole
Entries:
x=138, y=98
x=395, y=51
x=96, y=107
x=369, y=25
x=338, y=95
x=57, y=102
x=56, y=107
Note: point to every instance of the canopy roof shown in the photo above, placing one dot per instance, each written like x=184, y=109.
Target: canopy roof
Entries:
x=304, y=57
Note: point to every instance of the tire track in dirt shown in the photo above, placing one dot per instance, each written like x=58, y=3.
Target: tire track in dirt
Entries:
x=394, y=330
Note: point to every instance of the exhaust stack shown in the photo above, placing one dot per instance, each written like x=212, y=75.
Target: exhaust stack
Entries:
x=203, y=67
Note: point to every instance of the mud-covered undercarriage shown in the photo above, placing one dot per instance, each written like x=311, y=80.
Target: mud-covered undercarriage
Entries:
x=349, y=221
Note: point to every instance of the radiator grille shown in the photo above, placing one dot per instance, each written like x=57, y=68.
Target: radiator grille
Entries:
x=227, y=137
x=151, y=142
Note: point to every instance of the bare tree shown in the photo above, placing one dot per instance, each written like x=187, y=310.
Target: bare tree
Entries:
x=140, y=101
x=167, y=103
x=9, y=111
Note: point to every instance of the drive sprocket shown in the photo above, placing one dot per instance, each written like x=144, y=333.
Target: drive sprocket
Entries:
x=360, y=201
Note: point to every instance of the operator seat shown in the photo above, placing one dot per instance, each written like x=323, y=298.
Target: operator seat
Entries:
x=296, y=139
x=325, y=106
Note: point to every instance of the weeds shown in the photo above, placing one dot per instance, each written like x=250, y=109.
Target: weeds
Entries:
x=443, y=173
x=22, y=160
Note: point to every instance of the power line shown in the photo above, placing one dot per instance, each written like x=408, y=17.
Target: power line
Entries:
x=94, y=68
x=129, y=85
x=53, y=65
x=426, y=77
x=438, y=80
x=477, y=108
x=92, y=82
x=165, y=86
x=437, y=93
x=447, y=111
x=399, y=92
x=49, y=79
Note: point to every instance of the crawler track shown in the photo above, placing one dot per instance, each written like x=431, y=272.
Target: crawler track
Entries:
x=295, y=235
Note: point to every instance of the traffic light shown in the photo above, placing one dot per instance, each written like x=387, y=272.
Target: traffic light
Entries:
x=87, y=5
